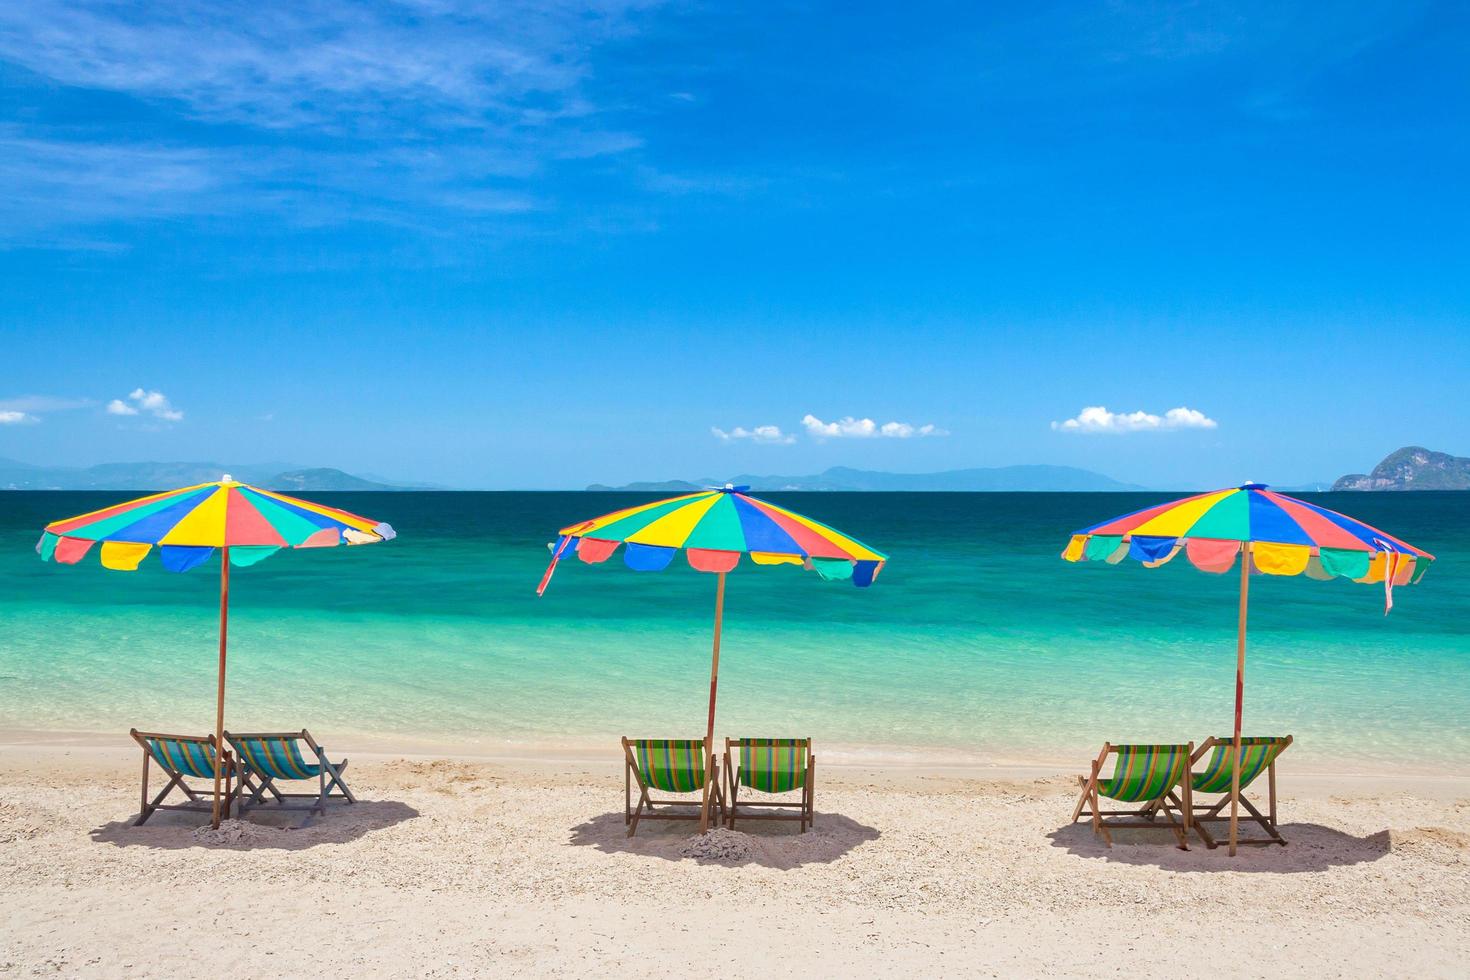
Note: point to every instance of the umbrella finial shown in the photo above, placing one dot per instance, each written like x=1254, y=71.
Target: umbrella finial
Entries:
x=226, y=478
x=1253, y=485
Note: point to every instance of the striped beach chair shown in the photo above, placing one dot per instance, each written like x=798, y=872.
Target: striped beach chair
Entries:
x=667, y=765
x=182, y=757
x=1257, y=756
x=771, y=765
x=1142, y=774
x=270, y=757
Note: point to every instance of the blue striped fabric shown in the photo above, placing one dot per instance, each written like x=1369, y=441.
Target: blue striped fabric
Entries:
x=278, y=758
x=188, y=757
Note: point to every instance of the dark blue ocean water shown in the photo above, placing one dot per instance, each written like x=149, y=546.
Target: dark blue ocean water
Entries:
x=977, y=639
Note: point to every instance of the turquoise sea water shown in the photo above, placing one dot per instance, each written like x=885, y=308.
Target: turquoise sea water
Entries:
x=976, y=639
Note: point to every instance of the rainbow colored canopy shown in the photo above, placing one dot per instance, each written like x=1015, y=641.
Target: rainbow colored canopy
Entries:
x=1284, y=536
x=188, y=524
x=715, y=527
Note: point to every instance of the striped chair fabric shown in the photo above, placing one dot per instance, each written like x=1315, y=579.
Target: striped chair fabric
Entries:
x=672, y=765
x=190, y=757
x=278, y=758
x=1256, y=756
x=1145, y=772
x=774, y=765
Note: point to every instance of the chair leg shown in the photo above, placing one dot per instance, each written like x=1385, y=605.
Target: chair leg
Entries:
x=1188, y=802
x=337, y=782
x=1086, y=783
x=1266, y=825
x=259, y=790
x=149, y=808
x=729, y=777
x=229, y=782
x=1089, y=798
x=143, y=811
x=1271, y=782
x=633, y=823
x=720, y=795
x=1098, y=826
x=1174, y=826
x=811, y=793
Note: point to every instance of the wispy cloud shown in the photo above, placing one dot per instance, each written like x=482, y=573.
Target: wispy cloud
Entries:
x=342, y=65
x=30, y=409
x=43, y=403
x=316, y=113
x=849, y=427
x=140, y=402
x=759, y=433
x=1097, y=419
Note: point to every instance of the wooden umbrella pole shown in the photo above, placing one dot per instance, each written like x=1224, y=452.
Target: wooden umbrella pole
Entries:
x=714, y=678
x=1245, y=583
x=219, y=702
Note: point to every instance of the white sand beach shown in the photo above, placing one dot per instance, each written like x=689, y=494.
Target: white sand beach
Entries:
x=458, y=867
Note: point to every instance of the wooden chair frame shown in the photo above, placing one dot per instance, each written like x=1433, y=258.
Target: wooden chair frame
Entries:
x=1215, y=812
x=631, y=773
x=1144, y=817
x=267, y=784
x=805, y=808
x=198, y=801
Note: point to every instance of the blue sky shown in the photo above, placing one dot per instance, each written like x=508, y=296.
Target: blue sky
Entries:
x=560, y=242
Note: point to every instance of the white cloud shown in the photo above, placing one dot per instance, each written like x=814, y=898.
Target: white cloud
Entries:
x=1096, y=418
x=759, y=433
x=854, y=428
x=155, y=403
x=16, y=418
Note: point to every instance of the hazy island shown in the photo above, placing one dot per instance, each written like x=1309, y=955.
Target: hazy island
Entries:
x=842, y=478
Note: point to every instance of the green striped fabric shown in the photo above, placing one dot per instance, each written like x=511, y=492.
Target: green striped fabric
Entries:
x=773, y=765
x=278, y=758
x=1256, y=756
x=184, y=755
x=673, y=765
x=1145, y=772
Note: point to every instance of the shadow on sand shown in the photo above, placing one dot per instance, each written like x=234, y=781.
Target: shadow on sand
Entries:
x=172, y=830
x=770, y=845
x=1311, y=847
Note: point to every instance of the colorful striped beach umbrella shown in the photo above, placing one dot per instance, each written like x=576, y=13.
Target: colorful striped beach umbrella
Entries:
x=245, y=523
x=714, y=528
x=1277, y=534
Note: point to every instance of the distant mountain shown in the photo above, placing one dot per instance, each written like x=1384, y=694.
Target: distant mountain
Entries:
x=1026, y=478
x=15, y=475
x=657, y=486
x=326, y=478
x=1412, y=468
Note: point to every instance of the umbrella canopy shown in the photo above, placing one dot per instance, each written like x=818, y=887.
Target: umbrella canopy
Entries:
x=1277, y=534
x=189, y=523
x=245, y=523
x=714, y=528
x=1287, y=537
